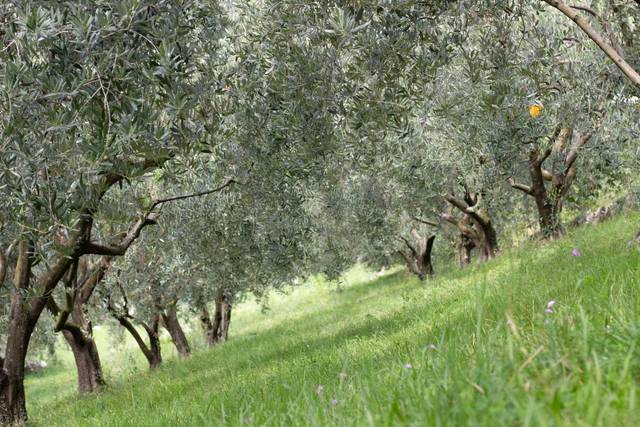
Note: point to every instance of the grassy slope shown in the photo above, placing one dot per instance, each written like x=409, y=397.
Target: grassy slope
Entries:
x=499, y=360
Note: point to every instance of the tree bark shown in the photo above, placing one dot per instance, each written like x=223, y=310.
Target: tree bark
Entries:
x=88, y=367
x=550, y=201
x=78, y=332
x=217, y=331
x=12, y=399
x=222, y=318
x=226, y=321
x=152, y=351
x=608, y=49
x=172, y=325
x=418, y=259
x=482, y=231
x=464, y=251
x=207, y=326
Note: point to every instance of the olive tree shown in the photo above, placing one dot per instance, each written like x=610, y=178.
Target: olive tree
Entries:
x=93, y=96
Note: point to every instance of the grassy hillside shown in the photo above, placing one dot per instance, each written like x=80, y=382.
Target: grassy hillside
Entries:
x=471, y=347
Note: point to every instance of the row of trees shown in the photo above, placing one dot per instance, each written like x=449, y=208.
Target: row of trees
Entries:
x=167, y=158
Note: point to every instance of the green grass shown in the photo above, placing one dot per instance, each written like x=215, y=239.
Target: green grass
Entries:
x=498, y=358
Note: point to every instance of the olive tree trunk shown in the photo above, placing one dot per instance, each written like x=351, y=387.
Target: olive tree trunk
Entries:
x=418, y=258
x=550, y=198
x=151, y=351
x=88, y=367
x=216, y=331
x=171, y=323
x=477, y=226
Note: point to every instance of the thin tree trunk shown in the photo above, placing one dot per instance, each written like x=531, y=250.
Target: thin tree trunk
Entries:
x=172, y=325
x=154, y=342
x=152, y=351
x=207, y=326
x=219, y=318
x=226, y=321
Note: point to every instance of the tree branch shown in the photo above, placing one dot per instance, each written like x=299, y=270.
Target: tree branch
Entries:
x=609, y=50
x=226, y=184
x=428, y=221
x=86, y=288
x=449, y=218
x=458, y=204
x=411, y=248
x=3, y=267
x=121, y=248
x=521, y=187
x=573, y=154
x=546, y=175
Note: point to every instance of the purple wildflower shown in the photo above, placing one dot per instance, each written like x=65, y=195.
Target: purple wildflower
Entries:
x=334, y=402
x=408, y=366
x=548, y=311
x=576, y=252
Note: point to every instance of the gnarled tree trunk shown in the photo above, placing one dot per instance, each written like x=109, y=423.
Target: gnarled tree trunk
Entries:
x=549, y=201
x=477, y=225
x=172, y=325
x=74, y=325
x=418, y=259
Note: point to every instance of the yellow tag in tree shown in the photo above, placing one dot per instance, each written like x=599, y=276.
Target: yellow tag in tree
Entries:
x=535, y=110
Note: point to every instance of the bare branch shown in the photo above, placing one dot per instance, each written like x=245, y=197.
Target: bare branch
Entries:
x=458, y=204
x=573, y=154
x=609, y=50
x=426, y=221
x=226, y=184
x=521, y=187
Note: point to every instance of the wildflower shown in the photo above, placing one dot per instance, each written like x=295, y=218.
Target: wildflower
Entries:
x=576, y=252
x=549, y=309
x=334, y=402
x=342, y=376
x=319, y=389
x=431, y=347
x=535, y=110
x=408, y=366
